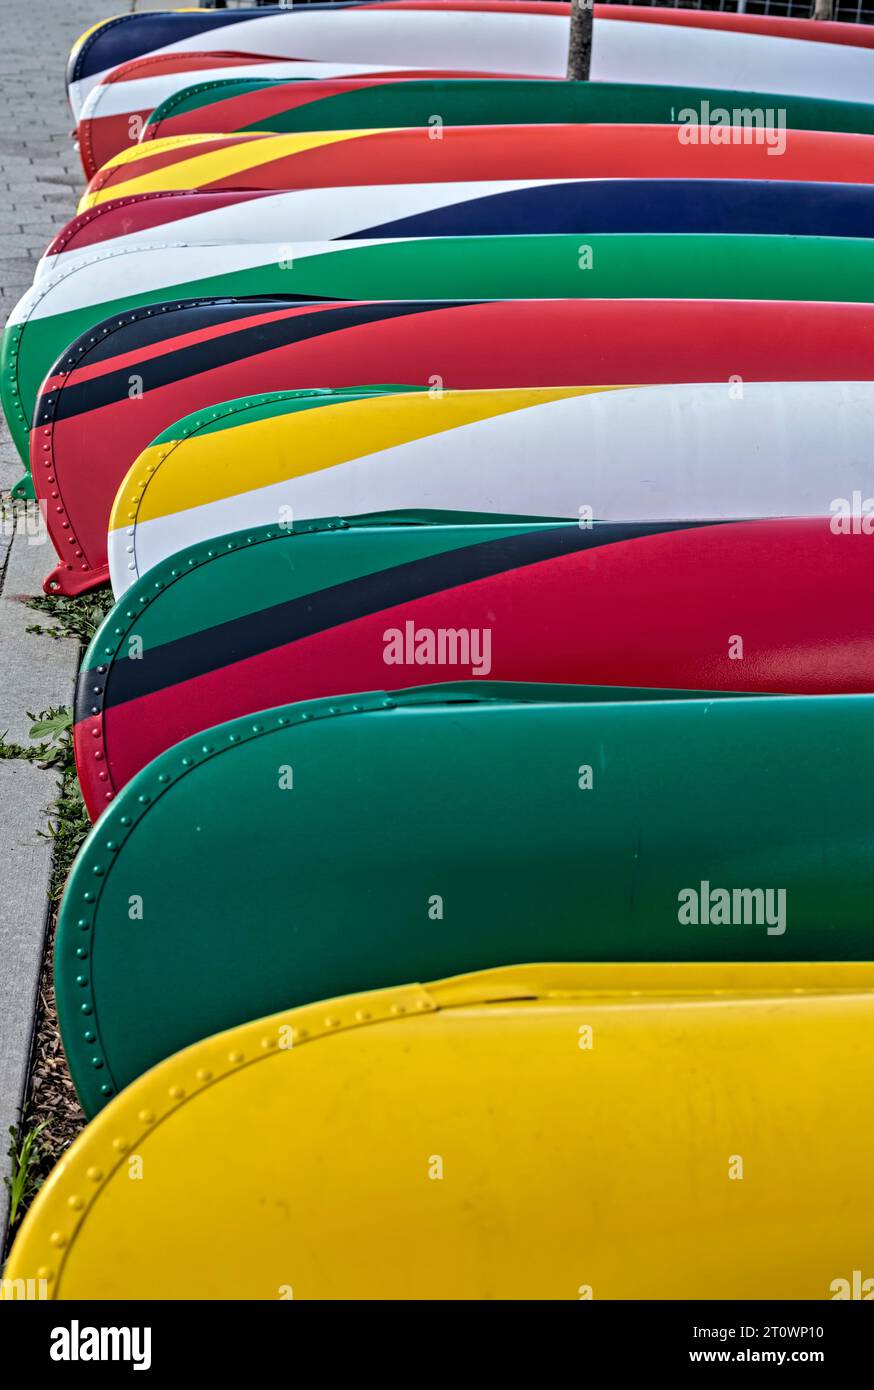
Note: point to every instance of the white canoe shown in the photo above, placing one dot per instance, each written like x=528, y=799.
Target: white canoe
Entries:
x=686, y=452
x=532, y=41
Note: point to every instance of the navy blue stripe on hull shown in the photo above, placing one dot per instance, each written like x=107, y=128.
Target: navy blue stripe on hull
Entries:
x=751, y=207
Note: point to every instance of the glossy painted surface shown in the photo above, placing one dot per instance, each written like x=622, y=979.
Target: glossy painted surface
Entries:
x=250, y=104
x=473, y=208
x=709, y=1060
x=342, y=158
x=285, y=858
x=644, y=454
x=89, y=428
x=269, y=615
x=55, y=312
x=629, y=44
x=115, y=111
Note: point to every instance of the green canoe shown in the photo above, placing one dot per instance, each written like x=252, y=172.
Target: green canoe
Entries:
x=247, y=104
x=55, y=312
x=350, y=843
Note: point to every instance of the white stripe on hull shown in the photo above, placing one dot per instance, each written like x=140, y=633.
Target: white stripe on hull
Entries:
x=536, y=46
x=147, y=93
x=493, y=42
x=302, y=214
x=689, y=452
x=104, y=277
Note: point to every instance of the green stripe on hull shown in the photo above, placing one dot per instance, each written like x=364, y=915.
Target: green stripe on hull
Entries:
x=491, y=102
x=626, y=266
x=276, y=403
x=247, y=579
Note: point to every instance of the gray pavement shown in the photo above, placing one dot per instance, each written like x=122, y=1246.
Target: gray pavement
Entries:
x=40, y=179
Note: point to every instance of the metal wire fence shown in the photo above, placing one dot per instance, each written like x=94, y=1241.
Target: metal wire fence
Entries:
x=850, y=11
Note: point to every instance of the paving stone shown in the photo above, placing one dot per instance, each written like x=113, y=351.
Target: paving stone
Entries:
x=40, y=179
x=38, y=671
x=26, y=793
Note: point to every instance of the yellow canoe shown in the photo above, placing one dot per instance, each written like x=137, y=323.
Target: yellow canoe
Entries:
x=554, y=1132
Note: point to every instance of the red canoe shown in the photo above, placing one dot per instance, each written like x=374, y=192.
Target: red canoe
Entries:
x=113, y=119
x=746, y=606
x=344, y=159
x=119, y=108
x=111, y=395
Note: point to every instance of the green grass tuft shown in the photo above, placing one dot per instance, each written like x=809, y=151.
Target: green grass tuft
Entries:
x=74, y=617
x=26, y=1177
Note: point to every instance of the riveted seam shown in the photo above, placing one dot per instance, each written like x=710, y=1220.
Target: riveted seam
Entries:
x=39, y=292
x=124, y=72
x=176, y=99
x=163, y=577
x=84, y=219
x=179, y=1086
x=71, y=361
x=135, y=500
x=92, y=38
x=93, y=865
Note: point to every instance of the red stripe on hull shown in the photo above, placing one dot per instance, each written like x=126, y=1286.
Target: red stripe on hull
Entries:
x=79, y=463
x=659, y=611
x=138, y=213
x=102, y=137
x=520, y=152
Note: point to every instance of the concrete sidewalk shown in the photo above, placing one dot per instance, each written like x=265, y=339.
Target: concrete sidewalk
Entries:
x=40, y=181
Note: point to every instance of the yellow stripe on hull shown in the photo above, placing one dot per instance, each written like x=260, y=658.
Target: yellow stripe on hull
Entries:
x=251, y=456
x=204, y=169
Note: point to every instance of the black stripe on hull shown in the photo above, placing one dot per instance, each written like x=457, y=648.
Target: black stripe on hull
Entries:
x=242, y=638
x=151, y=325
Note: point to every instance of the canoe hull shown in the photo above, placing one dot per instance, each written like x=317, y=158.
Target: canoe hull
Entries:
x=337, y=159
x=673, y=1046
x=554, y=787
x=266, y=617
x=629, y=45
x=90, y=427
x=114, y=114
x=710, y=452
x=348, y=104
x=56, y=312
x=479, y=208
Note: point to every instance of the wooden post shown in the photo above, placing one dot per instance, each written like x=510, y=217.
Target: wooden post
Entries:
x=579, y=56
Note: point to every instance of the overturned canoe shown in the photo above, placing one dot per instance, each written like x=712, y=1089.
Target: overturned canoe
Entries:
x=246, y=104
x=650, y=453
x=365, y=839
x=125, y=382
x=271, y=615
x=530, y=1196
x=115, y=111
x=474, y=208
x=344, y=158
x=464, y=43
x=59, y=310
x=762, y=1070
x=629, y=44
